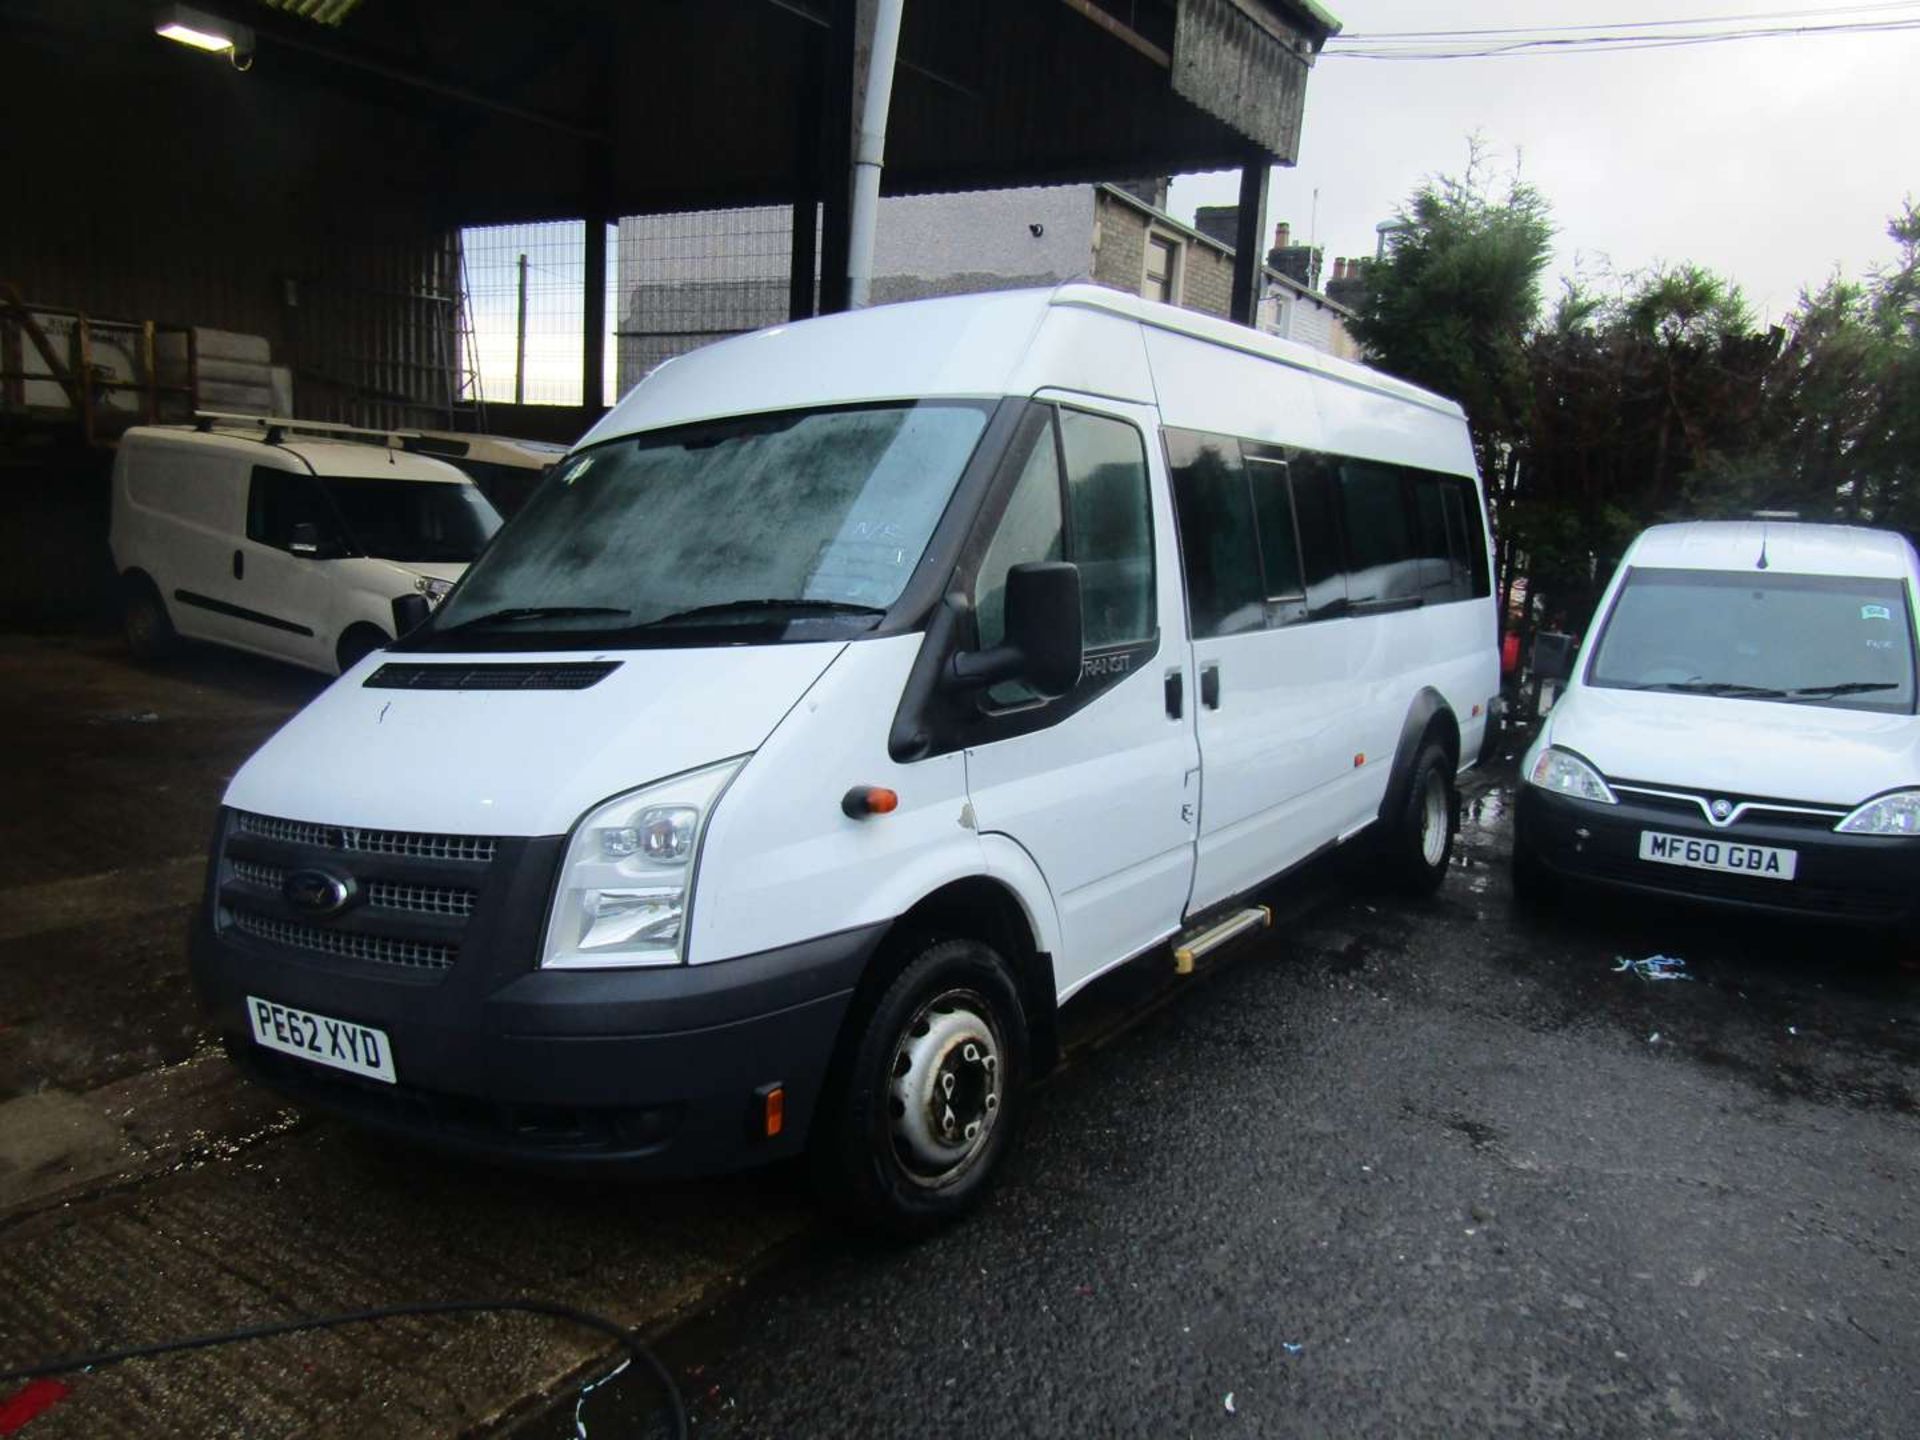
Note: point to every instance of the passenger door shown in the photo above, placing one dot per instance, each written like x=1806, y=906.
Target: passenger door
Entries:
x=1099, y=786
x=287, y=597
x=1267, y=594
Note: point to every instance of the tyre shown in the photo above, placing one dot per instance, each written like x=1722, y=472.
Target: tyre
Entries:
x=927, y=1094
x=151, y=637
x=359, y=642
x=1419, y=841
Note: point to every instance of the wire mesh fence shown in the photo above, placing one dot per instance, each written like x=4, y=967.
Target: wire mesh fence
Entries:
x=690, y=278
x=525, y=288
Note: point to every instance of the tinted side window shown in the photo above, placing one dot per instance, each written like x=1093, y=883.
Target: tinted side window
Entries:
x=1316, y=512
x=1432, y=544
x=1479, y=582
x=1111, y=535
x=1380, y=549
x=1215, y=508
x=1267, y=471
x=278, y=500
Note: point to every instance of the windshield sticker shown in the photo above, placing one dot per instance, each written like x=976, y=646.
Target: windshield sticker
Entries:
x=1875, y=612
x=579, y=467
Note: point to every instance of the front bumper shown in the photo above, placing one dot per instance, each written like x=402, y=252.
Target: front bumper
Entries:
x=649, y=1071
x=1861, y=879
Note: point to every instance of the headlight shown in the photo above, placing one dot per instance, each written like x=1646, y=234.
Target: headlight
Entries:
x=1565, y=773
x=627, y=882
x=434, y=588
x=1895, y=814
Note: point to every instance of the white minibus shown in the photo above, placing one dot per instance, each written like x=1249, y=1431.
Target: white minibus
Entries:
x=847, y=700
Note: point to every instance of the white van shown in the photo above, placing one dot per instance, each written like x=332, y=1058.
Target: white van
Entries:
x=260, y=537
x=1739, y=727
x=853, y=695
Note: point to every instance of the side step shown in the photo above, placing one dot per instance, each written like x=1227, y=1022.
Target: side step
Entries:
x=1192, y=947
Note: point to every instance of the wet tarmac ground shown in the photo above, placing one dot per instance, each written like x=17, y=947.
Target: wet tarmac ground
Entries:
x=1411, y=1168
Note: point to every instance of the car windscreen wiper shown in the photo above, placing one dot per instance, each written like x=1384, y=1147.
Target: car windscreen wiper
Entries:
x=786, y=604
x=1719, y=687
x=1847, y=687
x=533, y=612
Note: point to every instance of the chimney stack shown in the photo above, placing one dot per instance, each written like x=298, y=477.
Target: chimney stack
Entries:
x=1282, y=235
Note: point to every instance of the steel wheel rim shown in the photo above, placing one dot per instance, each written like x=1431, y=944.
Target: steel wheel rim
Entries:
x=945, y=1088
x=1433, y=821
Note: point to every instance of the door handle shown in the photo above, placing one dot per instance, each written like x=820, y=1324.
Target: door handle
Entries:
x=1176, y=695
x=239, y=565
x=1210, y=686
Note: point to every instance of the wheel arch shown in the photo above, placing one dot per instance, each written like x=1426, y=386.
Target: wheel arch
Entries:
x=1428, y=716
x=987, y=909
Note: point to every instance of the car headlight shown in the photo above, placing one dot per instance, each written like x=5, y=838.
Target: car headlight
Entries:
x=626, y=885
x=433, y=587
x=1895, y=814
x=1565, y=773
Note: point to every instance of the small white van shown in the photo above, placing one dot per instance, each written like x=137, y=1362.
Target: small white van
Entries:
x=1739, y=727
x=853, y=695
x=261, y=537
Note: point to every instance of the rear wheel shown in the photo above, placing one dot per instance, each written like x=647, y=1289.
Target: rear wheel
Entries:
x=926, y=1098
x=1419, y=842
x=149, y=629
x=359, y=642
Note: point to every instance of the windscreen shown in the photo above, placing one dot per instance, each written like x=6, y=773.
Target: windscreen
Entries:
x=803, y=514
x=424, y=521
x=1809, y=639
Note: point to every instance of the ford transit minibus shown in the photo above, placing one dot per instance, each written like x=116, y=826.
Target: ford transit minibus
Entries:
x=848, y=699
x=1740, y=727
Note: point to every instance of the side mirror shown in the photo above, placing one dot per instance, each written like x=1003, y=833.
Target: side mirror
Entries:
x=410, y=612
x=1042, y=645
x=304, y=539
x=1553, y=655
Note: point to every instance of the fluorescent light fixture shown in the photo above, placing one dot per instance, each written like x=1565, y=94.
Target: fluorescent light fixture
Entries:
x=202, y=31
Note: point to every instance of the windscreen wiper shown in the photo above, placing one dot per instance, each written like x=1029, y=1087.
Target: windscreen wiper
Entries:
x=783, y=603
x=533, y=612
x=1720, y=687
x=1847, y=687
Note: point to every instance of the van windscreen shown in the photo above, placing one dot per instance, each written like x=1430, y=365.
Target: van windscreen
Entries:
x=1807, y=639
x=747, y=521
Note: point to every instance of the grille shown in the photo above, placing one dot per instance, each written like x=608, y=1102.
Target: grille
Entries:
x=578, y=676
x=367, y=842
x=1687, y=804
x=382, y=894
x=1814, y=899
x=380, y=949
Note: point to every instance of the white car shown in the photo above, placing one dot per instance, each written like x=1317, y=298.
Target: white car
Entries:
x=258, y=537
x=1740, y=727
x=853, y=695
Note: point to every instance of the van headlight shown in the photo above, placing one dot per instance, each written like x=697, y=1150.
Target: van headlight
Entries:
x=1565, y=773
x=626, y=885
x=1895, y=814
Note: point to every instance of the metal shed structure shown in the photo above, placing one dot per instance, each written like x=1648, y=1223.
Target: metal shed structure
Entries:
x=310, y=190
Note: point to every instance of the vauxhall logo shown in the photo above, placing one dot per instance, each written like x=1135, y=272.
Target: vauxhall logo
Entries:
x=318, y=893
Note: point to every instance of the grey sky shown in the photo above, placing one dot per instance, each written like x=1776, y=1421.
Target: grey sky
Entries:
x=1771, y=161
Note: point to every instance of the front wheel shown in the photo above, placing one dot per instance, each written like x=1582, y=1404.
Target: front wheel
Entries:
x=1419, y=842
x=926, y=1098
x=359, y=642
x=151, y=638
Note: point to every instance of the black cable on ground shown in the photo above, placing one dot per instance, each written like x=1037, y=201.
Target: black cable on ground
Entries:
x=66, y=1364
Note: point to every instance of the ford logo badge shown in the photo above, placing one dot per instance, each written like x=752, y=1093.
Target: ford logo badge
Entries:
x=317, y=892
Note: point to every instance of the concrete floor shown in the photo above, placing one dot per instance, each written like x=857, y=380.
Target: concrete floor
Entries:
x=1481, y=1181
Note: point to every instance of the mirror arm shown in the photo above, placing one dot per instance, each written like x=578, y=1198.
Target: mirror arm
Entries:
x=978, y=669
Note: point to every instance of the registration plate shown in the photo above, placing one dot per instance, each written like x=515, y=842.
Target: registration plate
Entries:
x=1767, y=862
x=358, y=1049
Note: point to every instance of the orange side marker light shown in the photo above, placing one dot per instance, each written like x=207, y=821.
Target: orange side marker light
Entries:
x=864, y=800
x=774, y=1111
x=1359, y=760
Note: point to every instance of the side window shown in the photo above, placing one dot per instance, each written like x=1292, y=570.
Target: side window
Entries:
x=1031, y=530
x=1267, y=470
x=1111, y=534
x=1432, y=545
x=1315, y=510
x=1380, y=549
x=278, y=500
x=1224, y=585
x=1479, y=584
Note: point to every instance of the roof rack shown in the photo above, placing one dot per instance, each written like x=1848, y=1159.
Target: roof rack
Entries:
x=277, y=427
